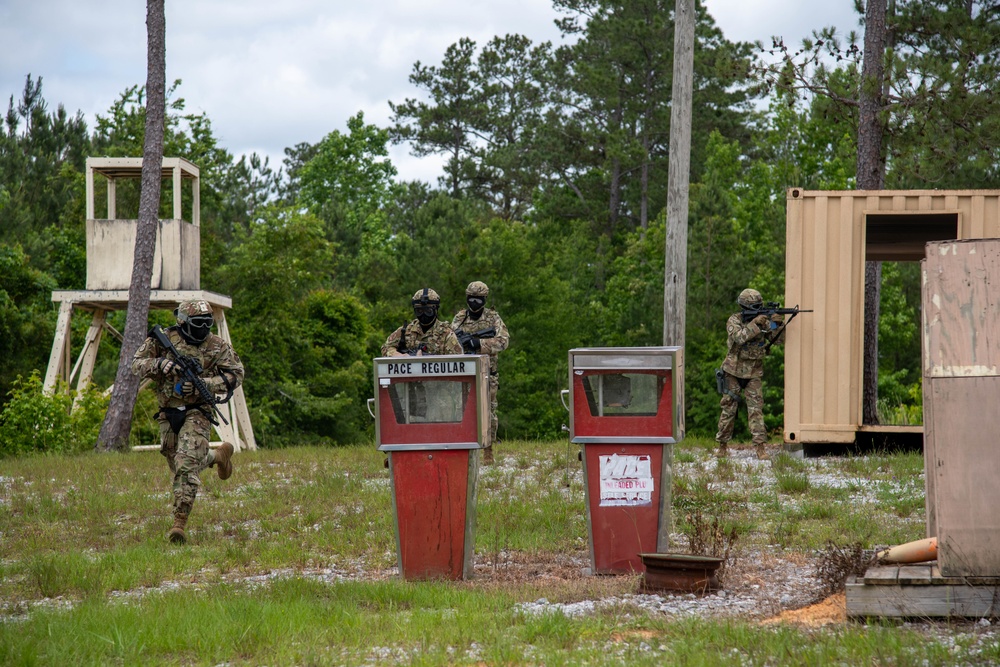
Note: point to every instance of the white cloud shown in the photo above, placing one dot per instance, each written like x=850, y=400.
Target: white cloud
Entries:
x=273, y=74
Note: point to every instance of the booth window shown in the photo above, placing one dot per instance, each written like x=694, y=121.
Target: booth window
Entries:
x=623, y=394
x=429, y=401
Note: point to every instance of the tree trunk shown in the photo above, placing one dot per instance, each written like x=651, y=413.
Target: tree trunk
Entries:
x=118, y=420
x=871, y=176
x=678, y=176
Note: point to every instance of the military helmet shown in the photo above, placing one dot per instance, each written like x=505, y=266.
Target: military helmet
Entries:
x=477, y=288
x=750, y=298
x=190, y=309
x=426, y=297
x=195, y=319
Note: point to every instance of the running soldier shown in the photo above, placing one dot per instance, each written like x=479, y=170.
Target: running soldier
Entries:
x=185, y=417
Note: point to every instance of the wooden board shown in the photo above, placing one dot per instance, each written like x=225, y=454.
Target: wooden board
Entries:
x=921, y=601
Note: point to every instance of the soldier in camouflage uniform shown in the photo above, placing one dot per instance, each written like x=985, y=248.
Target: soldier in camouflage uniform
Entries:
x=184, y=417
x=424, y=335
x=477, y=318
x=744, y=368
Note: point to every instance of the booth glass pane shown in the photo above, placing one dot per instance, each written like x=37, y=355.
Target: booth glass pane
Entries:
x=623, y=394
x=429, y=401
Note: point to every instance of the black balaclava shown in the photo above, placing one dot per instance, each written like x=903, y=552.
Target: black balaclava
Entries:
x=425, y=309
x=476, y=306
x=196, y=329
x=426, y=315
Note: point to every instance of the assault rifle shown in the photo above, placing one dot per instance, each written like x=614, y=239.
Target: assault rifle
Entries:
x=191, y=371
x=466, y=338
x=401, y=344
x=772, y=308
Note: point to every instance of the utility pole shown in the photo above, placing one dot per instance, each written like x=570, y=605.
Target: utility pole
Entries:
x=679, y=176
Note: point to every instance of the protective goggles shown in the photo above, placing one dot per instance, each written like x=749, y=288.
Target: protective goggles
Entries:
x=475, y=302
x=201, y=321
x=425, y=310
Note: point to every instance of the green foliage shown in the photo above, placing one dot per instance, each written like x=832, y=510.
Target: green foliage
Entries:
x=899, y=381
x=350, y=170
x=26, y=321
x=33, y=422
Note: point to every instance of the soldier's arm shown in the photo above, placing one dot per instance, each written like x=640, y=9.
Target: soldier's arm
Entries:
x=739, y=332
x=225, y=365
x=390, y=344
x=146, y=361
x=451, y=344
x=499, y=342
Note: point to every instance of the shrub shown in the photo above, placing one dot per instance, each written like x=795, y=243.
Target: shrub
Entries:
x=35, y=422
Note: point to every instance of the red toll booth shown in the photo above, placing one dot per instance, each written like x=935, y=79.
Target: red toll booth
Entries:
x=626, y=407
x=432, y=418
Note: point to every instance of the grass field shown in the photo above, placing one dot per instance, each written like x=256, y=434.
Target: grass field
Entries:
x=292, y=562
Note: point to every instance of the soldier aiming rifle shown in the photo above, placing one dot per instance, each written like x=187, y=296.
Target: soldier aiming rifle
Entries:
x=750, y=335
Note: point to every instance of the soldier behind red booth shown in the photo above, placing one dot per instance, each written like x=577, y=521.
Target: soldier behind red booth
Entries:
x=472, y=321
x=425, y=334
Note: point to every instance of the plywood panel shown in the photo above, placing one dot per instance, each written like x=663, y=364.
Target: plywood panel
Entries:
x=111, y=249
x=966, y=468
x=962, y=313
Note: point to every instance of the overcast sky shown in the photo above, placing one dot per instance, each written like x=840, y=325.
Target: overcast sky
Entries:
x=273, y=73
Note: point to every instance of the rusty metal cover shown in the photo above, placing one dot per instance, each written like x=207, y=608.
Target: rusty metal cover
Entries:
x=680, y=572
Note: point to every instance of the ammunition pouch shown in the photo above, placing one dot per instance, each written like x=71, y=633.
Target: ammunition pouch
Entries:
x=175, y=417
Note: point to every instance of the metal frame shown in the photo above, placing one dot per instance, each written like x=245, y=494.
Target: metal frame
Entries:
x=624, y=359
x=416, y=367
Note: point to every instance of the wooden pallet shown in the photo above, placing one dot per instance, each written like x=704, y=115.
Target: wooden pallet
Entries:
x=920, y=591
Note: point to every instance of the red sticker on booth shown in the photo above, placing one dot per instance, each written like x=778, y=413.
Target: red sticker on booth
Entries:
x=626, y=480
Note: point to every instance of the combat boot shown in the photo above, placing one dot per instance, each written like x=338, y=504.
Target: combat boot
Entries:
x=761, y=452
x=488, y=456
x=223, y=460
x=176, y=534
x=723, y=450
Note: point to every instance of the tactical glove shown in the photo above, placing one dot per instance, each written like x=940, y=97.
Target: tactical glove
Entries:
x=762, y=322
x=185, y=388
x=166, y=366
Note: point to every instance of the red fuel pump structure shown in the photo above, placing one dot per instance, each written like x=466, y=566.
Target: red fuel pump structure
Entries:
x=432, y=418
x=626, y=408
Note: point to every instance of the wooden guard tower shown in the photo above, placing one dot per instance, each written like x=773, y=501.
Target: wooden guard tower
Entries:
x=176, y=277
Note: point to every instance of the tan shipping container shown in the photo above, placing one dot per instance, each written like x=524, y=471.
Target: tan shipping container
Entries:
x=829, y=236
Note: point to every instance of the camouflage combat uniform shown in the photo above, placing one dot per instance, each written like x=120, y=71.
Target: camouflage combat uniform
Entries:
x=187, y=450
x=744, y=368
x=491, y=346
x=438, y=339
